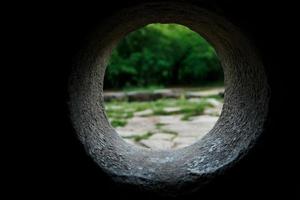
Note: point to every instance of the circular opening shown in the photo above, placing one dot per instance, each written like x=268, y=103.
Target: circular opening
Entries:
x=163, y=87
x=241, y=122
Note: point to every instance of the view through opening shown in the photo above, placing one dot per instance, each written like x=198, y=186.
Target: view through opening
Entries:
x=163, y=87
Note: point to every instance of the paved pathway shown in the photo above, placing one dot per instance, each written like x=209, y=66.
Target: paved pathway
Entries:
x=169, y=132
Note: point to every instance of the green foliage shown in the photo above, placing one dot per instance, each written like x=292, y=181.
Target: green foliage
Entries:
x=162, y=54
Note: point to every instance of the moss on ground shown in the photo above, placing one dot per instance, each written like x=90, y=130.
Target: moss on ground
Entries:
x=138, y=138
x=120, y=111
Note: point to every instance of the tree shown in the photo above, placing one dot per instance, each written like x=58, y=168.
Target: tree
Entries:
x=162, y=54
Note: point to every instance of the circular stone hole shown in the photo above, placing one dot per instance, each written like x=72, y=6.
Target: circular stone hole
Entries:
x=163, y=87
x=235, y=133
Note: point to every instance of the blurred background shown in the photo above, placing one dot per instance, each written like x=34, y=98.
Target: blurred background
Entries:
x=163, y=87
x=163, y=55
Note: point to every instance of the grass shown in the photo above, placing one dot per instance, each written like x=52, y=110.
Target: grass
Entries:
x=217, y=97
x=161, y=111
x=138, y=138
x=118, y=122
x=194, y=110
x=159, y=125
x=120, y=115
x=120, y=111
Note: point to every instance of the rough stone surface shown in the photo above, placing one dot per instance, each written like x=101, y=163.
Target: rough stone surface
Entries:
x=170, y=128
x=241, y=122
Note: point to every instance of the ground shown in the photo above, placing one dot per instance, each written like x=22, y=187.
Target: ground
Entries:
x=166, y=123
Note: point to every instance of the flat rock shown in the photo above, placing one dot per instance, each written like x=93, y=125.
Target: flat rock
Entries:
x=185, y=140
x=214, y=102
x=190, y=129
x=138, y=126
x=205, y=93
x=130, y=141
x=157, y=144
x=195, y=100
x=162, y=136
x=169, y=119
x=179, y=146
x=212, y=111
x=209, y=120
x=180, y=142
x=143, y=113
x=127, y=133
x=172, y=109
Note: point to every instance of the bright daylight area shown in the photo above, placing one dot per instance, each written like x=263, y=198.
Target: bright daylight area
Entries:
x=163, y=87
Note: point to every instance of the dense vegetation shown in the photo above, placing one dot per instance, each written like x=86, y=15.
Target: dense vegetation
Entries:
x=162, y=55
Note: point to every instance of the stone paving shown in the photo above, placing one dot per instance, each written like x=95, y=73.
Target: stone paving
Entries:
x=169, y=131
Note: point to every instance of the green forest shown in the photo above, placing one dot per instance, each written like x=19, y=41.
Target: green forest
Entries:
x=162, y=55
